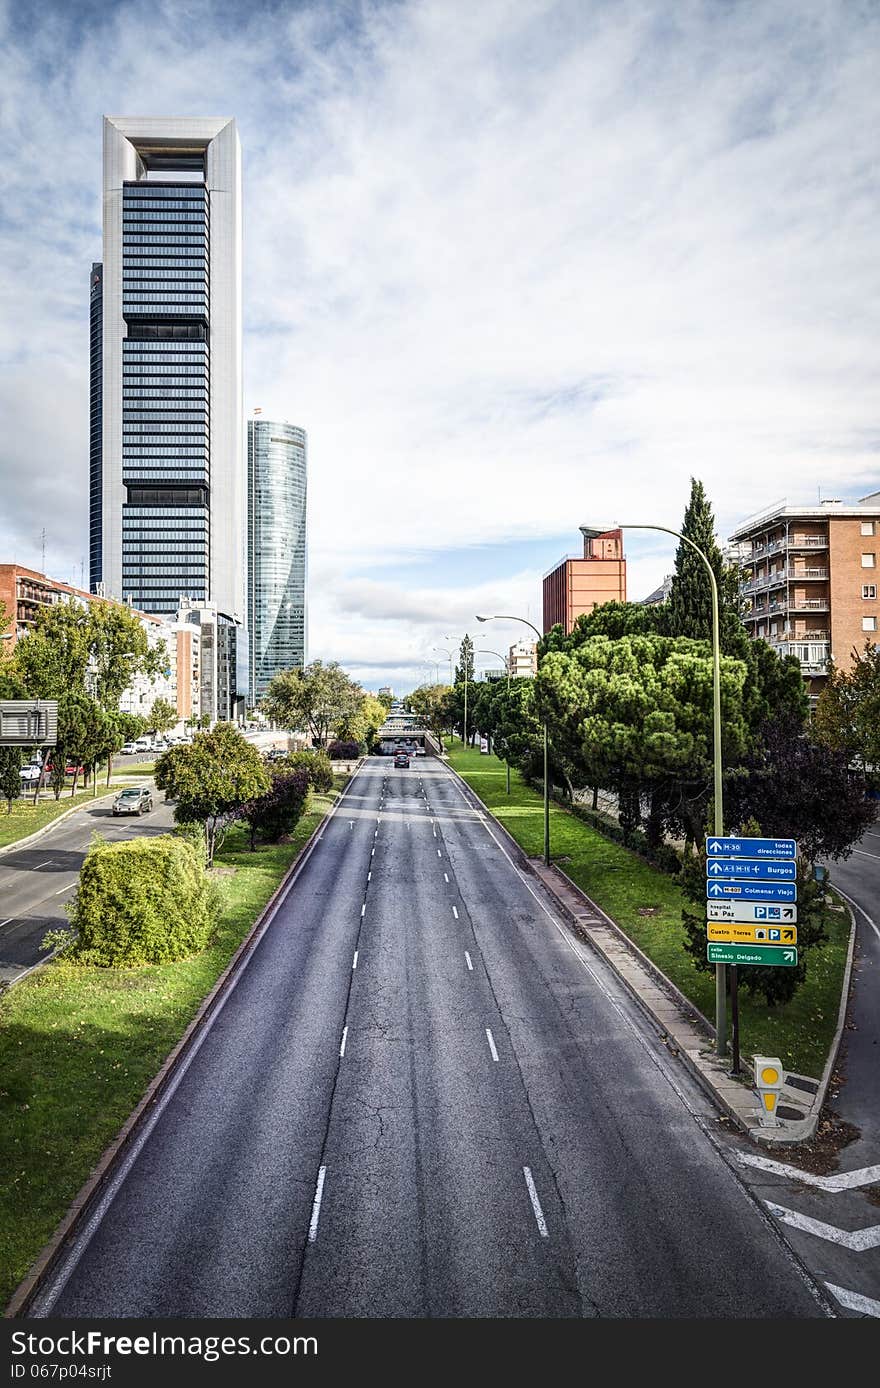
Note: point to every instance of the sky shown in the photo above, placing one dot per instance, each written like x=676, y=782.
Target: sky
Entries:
x=515, y=265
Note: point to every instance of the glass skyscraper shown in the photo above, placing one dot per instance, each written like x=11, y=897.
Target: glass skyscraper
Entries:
x=96, y=327
x=167, y=464
x=276, y=550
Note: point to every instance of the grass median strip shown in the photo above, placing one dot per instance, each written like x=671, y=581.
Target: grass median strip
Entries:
x=78, y=1047
x=625, y=886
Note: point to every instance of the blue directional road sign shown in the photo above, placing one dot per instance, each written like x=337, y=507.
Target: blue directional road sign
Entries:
x=724, y=846
x=761, y=870
x=751, y=891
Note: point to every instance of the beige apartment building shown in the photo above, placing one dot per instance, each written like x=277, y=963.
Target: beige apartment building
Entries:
x=810, y=580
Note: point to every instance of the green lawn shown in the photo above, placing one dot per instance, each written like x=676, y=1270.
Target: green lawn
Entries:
x=142, y=768
x=78, y=1047
x=622, y=883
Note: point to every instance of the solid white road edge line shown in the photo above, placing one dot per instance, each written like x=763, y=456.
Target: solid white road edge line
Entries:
x=363, y=908
x=354, y=962
x=342, y=1046
x=316, y=1204
x=491, y=1039
x=536, y=1204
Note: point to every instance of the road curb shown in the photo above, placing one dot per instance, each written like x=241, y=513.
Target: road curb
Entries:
x=85, y=1197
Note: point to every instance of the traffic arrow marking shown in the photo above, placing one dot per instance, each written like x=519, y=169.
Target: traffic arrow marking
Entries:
x=716, y=868
x=843, y=1180
x=856, y=1240
x=715, y=889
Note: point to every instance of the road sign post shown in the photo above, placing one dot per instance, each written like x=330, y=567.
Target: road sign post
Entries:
x=751, y=908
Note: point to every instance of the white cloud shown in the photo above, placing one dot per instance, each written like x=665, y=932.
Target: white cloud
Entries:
x=515, y=266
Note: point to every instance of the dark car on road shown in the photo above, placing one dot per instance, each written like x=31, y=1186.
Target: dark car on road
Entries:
x=133, y=800
x=401, y=759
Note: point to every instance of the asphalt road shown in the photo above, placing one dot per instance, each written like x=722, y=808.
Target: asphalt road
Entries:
x=36, y=881
x=423, y=1098
x=859, y=1098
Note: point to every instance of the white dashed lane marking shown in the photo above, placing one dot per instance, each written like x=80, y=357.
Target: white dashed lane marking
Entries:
x=491, y=1039
x=536, y=1204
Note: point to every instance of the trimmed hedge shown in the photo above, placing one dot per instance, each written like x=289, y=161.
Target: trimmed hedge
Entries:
x=664, y=856
x=142, y=901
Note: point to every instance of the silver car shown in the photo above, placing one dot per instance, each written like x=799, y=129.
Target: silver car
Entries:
x=133, y=800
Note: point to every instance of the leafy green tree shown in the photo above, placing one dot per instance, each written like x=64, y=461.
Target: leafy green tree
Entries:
x=10, y=775
x=363, y=722
x=430, y=703
x=801, y=790
x=316, y=698
x=636, y=713
x=162, y=716
x=278, y=810
x=847, y=715
x=212, y=781
x=316, y=764
x=75, y=649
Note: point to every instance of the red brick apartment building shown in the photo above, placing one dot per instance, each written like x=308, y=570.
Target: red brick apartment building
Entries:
x=576, y=585
x=810, y=579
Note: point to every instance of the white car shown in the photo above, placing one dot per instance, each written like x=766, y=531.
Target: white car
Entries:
x=128, y=748
x=30, y=773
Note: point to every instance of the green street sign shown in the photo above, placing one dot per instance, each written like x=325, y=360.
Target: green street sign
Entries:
x=777, y=956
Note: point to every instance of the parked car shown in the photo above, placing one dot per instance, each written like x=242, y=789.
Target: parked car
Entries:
x=143, y=744
x=128, y=748
x=133, y=800
x=30, y=773
x=401, y=759
x=71, y=769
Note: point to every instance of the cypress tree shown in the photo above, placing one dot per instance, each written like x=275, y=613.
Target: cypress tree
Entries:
x=690, y=600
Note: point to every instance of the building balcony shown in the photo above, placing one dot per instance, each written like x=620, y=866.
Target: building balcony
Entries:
x=808, y=605
x=808, y=542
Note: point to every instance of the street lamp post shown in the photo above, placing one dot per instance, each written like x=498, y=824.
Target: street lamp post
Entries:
x=546, y=778
x=485, y=651
x=720, y=969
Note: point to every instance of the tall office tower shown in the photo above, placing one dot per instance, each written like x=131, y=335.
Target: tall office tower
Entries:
x=276, y=610
x=96, y=319
x=172, y=460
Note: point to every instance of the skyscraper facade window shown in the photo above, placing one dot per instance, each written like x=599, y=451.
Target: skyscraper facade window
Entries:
x=276, y=550
x=96, y=321
x=170, y=506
